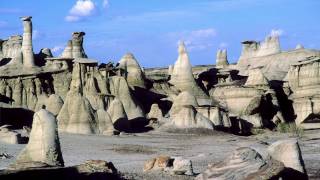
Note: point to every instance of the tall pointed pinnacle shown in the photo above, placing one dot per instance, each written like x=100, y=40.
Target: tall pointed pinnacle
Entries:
x=27, y=50
x=222, y=60
x=182, y=48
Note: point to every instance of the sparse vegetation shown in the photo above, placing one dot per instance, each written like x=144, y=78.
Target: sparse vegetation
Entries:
x=291, y=128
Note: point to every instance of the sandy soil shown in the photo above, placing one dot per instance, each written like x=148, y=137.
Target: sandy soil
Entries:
x=128, y=152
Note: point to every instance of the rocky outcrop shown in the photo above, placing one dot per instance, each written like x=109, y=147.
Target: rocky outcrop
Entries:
x=244, y=163
x=303, y=80
x=27, y=49
x=184, y=115
x=256, y=78
x=281, y=160
x=43, y=145
x=182, y=76
x=288, y=152
x=132, y=69
x=9, y=136
x=250, y=49
x=221, y=59
x=74, y=48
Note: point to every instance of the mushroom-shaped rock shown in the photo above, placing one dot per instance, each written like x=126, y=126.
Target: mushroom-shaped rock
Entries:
x=43, y=145
x=134, y=74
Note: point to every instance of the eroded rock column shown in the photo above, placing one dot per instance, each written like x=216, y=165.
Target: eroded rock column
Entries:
x=27, y=50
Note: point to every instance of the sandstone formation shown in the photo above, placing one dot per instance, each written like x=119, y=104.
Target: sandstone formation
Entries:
x=27, y=50
x=182, y=76
x=43, y=145
x=221, y=60
x=303, y=81
x=184, y=115
x=132, y=69
x=74, y=48
x=244, y=163
x=280, y=160
x=9, y=136
x=288, y=152
x=266, y=87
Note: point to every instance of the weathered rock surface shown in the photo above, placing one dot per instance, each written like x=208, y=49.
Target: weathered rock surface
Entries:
x=182, y=76
x=244, y=163
x=44, y=144
x=132, y=69
x=172, y=165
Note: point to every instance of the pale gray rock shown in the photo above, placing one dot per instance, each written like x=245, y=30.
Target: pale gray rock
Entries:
x=221, y=59
x=155, y=112
x=133, y=72
x=288, y=152
x=120, y=89
x=184, y=115
x=27, y=49
x=244, y=163
x=182, y=166
x=182, y=76
x=8, y=136
x=43, y=145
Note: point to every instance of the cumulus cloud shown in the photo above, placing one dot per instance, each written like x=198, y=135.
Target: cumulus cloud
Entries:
x=36, y=34
x=223, y=45
x=277, y=32
x=81, y=10
x=57, y=49
x=200, y=39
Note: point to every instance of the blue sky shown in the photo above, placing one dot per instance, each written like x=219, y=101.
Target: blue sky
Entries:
x=151, y=28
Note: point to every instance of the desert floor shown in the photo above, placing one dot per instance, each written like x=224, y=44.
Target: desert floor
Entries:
x=129, y=151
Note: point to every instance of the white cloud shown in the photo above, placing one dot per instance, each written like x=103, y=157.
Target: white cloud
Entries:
x=81, y=10
x=277, y=32
x=105, y=3
x=223, y=45
x=57, y=49
x=200, y=39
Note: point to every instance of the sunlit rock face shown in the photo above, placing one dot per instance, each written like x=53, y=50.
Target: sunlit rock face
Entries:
x=44, y=144
x=132, y=69
x=221, y=59
x=182, y=76
x=74, y=48
x=303, y=79
x=269, y=58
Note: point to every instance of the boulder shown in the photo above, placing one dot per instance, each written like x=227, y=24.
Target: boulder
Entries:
x=44, y=144
x=182, y=166
x=288, y=152
x=244, y=163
